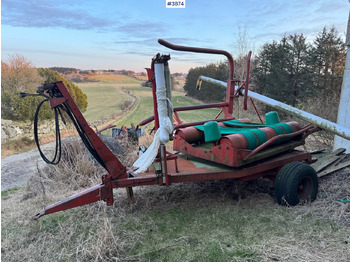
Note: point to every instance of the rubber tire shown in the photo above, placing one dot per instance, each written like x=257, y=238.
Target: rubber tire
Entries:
x=295, y=182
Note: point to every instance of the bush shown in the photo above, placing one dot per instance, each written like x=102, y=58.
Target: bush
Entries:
x=19, y=75
x=16, y=108
x=77, y=94
x=126, y=104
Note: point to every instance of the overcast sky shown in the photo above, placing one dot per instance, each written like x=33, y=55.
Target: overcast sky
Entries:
x=122, y=34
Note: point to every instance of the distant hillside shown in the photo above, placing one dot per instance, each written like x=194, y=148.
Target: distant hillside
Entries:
x=77, y=75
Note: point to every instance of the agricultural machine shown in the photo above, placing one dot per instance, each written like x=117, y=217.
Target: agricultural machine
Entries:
x=213, y=149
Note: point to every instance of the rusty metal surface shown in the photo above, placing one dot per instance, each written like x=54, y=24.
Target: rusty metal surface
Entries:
x=230, y=90
x=258, y=169
x=112, y=164
x=201, y=122
x=200, y=50
x=87, y=196
x=175, y=168
x=226, y=154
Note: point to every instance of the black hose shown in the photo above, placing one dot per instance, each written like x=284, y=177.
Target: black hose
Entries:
x=58, y=150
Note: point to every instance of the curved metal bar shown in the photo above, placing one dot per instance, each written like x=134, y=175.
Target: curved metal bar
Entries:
x=200, y=50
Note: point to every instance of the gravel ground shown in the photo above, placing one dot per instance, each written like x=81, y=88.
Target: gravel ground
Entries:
x=16, y=169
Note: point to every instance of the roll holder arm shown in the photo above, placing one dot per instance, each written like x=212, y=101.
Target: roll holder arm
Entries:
x=228, y=109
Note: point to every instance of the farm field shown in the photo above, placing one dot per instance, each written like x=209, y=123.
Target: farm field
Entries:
x=107, y=96
x=144, y=108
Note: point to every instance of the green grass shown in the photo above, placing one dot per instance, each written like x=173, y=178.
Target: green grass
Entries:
x=145, y=108
x=179, y=99
x=5, y=194
x=104, y=98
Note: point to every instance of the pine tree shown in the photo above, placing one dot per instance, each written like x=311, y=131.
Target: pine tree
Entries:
x=327, y=59
x=282, y=71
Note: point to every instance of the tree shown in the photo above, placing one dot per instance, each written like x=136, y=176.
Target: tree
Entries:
x=304, y=75
x=327, y=59
x=16, y=108
x=19, y=74
x=208, y=92
x=282, y=72
x=242, y=47
x=77, y=94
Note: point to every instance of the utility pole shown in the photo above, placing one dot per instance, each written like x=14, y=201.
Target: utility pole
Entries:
x=344, y=104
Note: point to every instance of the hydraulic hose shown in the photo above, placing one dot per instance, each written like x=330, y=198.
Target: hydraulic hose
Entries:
x=58, y=149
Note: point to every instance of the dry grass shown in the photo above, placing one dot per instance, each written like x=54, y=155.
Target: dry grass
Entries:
x=76, y=170
x=204, y=221
x=25, y=144
x=142, y=78
x=16, y=146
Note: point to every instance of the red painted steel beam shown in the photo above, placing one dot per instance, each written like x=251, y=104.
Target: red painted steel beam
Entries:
x=243, y=172
x=104, y=191
x=203, y=106
x=138, y=181
x=56, y=101
x=247, y=81
x=151, y=78
x=146, y=121
x=87, y=196
x=188, y=108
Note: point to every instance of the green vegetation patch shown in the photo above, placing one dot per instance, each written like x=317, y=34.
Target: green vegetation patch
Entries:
x=104, y=100
x=18, y=145
x=5, y=194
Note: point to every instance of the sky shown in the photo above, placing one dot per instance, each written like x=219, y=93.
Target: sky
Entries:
x=123, y=34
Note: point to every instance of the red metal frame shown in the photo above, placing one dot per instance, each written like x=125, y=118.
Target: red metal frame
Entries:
x=174, y=168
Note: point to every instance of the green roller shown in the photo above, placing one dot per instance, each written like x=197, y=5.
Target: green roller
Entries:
x=272, y=118
x=255, y=137
x=211, y=132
